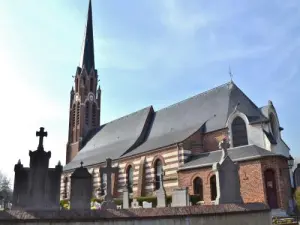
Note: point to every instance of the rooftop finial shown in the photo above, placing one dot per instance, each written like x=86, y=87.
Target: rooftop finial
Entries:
x=87, y=55
x=230, y=74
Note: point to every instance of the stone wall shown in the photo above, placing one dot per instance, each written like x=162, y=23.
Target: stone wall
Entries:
x=247, y=214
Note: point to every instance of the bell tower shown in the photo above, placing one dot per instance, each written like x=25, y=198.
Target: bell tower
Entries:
x=85, y=97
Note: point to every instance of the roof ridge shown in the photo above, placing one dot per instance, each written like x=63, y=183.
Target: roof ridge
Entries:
x=197, y=95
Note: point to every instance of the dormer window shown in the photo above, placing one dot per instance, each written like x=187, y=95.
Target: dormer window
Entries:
x=239, y=132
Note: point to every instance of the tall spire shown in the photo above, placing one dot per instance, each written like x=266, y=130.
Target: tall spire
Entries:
x=87, y=55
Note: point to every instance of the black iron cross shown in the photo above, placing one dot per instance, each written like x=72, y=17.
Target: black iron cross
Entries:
x=41, y=134
x=109, y=170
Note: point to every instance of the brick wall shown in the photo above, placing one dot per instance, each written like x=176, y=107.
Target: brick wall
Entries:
x=211, y=140
x=251, y=180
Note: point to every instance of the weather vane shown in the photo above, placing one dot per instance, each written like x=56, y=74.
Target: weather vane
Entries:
x=230, y=73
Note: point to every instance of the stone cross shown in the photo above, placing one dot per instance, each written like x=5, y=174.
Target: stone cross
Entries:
x=224, y=145
x=161, y=182
x=109, y=170
x=41, y=134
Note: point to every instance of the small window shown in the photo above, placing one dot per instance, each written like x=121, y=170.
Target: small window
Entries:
x=91, y=85
x=213, y=188
x=239, y=132
x=94, y=114
x=198, y=187
x=130, y=179
x=158, y=173
x=273, y=125
x=87, y=110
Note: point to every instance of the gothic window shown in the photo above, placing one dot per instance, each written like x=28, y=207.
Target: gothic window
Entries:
x=198, y=187
x=273, y=125
x=91, y=84
x=87, y=108
x=239, y=132
x=213, y=188
x=129, y=178
x=78, y=112
x=94, y=113
x=158, y=173
x=73, y=115
x=65, y=194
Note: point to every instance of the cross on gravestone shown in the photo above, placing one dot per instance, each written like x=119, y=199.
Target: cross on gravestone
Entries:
x=41, y=134
x=109, y=170
x=224, y=145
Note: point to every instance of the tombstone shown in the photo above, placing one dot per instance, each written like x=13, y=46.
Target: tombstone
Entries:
x=81, y=189
x=108, y=202
x=147, y=205
x=296, y=176
x=37, y=187
x=161, y=194
x=180, y=197
x=125, y=197
x=135, y=204
x=227, y=178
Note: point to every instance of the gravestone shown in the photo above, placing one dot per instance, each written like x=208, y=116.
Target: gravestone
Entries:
x=125, y=197
x=81, y=189
x=37, y=187
x=180, y=197
x=108, y=202
x=161, y=193
x=147, y=205
x=296, y=176
x=135, y=204
x=227, y=178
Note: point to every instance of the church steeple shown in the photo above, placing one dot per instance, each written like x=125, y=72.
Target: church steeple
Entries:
x=85, y=99
x=87, y=55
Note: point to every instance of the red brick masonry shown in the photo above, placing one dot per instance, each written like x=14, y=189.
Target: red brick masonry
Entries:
x=93, y=215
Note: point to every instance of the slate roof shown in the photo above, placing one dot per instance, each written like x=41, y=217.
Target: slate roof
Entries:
x=241, y=153
x=146, y=130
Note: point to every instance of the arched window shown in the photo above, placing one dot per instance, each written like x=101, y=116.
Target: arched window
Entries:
x=78, y=113
x=73, y=115
x=129, y=178
x=94, y=113
x=239, y=132
x=273, y=125
x=198, y=187
x=65, y=195
x=91, y=84
x=87, y=109
x=213, y=188
x=158, y=173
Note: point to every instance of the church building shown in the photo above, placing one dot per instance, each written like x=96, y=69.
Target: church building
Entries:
x=178, y=144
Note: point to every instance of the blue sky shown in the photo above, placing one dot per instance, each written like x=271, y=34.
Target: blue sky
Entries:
x=148, y=52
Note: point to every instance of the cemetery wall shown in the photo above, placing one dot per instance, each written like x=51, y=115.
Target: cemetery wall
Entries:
x=251, y=180
x=250, y=214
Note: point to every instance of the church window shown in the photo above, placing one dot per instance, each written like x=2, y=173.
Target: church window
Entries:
x=94, y=113
x=65, y=194
x=78, y=112
x=239, y=132
x=87, y=108
x=213, y=188
x=158, y=173
x=273, y=125
x=91, y=84
x=198, y=187
x=129, y=178
x=73, y=115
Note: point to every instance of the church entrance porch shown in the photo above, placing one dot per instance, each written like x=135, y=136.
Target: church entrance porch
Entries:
x=271, y=189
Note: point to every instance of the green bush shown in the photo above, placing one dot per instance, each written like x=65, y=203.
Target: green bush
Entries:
x=297, y=198
x=194, y=199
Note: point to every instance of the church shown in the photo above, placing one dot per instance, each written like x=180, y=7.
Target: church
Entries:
x=178, y=144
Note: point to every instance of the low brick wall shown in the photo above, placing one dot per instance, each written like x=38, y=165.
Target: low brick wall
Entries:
x=254, y=214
